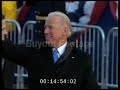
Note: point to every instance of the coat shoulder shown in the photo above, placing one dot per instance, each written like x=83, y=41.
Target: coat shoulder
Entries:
x=81, y=53
x=81, y=56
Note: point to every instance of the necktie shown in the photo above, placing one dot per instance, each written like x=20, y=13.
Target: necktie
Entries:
x=55, y=55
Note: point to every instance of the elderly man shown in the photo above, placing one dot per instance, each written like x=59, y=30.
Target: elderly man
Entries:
x=4, y=33
x=57, y=63
x=8, y=67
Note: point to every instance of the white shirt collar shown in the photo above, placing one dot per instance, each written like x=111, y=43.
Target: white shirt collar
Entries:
x=61, y=49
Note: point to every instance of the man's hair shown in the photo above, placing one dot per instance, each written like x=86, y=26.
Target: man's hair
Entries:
x=65, y=19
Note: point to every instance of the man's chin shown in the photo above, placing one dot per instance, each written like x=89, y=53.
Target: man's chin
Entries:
x=49, y=44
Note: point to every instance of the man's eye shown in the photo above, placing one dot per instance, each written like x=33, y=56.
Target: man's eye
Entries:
x=50, y=27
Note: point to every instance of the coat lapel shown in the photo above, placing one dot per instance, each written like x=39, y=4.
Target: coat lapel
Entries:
x=65, y=54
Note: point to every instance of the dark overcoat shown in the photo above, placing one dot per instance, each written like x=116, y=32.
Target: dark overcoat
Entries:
x=72, y=70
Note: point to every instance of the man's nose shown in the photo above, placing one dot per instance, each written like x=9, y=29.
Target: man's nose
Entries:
x=46, y=30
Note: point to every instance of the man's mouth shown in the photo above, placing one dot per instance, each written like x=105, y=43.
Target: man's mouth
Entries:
x=47, y=37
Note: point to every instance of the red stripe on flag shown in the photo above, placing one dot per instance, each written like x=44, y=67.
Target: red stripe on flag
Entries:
x=97, y=11
x=23, y=13
x=113, y=7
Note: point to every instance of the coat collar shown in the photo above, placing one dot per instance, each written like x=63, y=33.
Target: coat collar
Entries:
x=65, y=54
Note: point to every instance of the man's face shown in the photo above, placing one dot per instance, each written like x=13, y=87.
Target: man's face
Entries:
x=54, y=30
x=4, y=29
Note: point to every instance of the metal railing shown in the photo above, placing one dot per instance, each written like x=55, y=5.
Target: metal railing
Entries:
x=91, y=39
x=27, y=35
x=111, y=75
x=29, y=27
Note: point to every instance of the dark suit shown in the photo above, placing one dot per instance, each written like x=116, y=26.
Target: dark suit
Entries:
x=73, y=64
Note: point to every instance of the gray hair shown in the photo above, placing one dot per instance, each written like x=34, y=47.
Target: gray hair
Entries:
x=65, y=19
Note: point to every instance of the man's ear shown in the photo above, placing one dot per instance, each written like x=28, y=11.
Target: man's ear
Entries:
x=65, y=31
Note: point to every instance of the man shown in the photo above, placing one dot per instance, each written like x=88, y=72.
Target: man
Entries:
x=4, y=33
x=8, y=75
x=73, y=69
